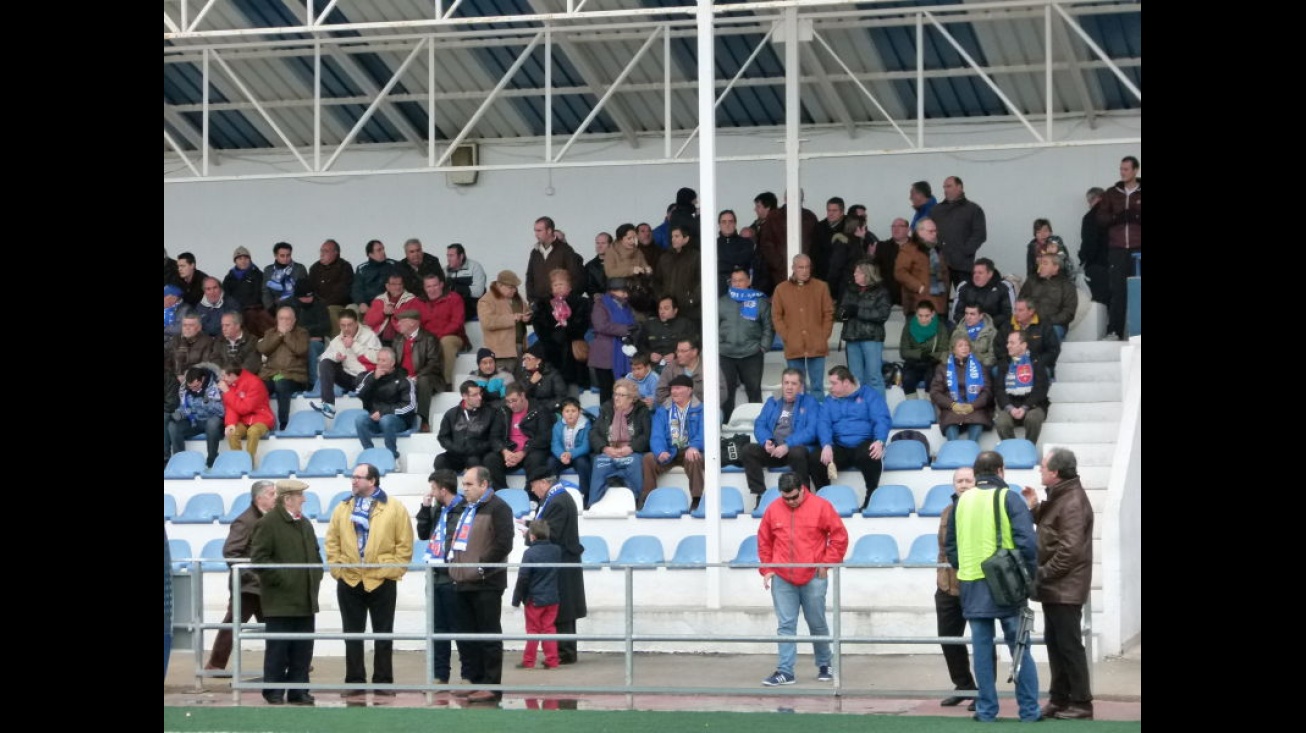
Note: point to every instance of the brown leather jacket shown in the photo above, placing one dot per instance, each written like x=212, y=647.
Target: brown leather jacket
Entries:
x=946, y=577
x=1065, y=545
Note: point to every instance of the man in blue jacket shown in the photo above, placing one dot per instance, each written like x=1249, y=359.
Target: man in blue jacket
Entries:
x=972, y=537
x=677, y=439
x=853, y=429
x=785, y=432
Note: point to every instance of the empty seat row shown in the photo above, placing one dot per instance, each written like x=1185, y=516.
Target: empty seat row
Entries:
x=279, y=463
x=208, y=507
x=646, y=551
x=912, y=455
x=211, y=555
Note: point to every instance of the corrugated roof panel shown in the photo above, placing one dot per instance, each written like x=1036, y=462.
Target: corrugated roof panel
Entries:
x=1118, y=35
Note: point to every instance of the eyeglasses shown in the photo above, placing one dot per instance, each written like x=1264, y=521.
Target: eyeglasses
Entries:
x=792, y=497
x=621, y=394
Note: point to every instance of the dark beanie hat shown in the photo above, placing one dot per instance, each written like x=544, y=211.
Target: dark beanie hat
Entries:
x=484, y=352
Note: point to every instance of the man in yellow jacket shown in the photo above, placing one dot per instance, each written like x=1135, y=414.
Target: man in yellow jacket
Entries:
x=369, y=527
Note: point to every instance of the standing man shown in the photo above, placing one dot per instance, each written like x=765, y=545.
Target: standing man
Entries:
x=483, y=535
x=263, y=497
x=371, y=276
x=289, y=595
x=465, y=277
x=436, y=520
x=548, y=254
x=333, y=281
x=417, y=265
x=853, y=429
x=369, y=527
x=771, y=239
x=785, y=432
x=1093, y=249
x=1062, y=584
x=803, y=314
x=801, y=528
x=961, y=229
x=823, y=235
x=973, y=531
x=558, y=509
x=1121, y=212
x=922, y=201
x=746, y=334
x=596, y=278
x=947, y=600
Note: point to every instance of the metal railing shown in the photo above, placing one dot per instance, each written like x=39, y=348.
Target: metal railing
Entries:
x=629, y=637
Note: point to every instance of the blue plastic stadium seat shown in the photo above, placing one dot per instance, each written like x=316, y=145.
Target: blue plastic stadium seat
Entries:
x=939, y=497
x=238, y=506
x=316, y=391
x=203, y=508
x=212, y=554
x=768, y=496
x=843, y=498
x=312, y=508
x=913, y=414
x=342, y=425
x=378, y=456
x=747, y=551
x=169, y=507
x=690, y=552
x=418, y=561
x=959, y=453
x=518, y=499
x=231, y=464
x=665, y=502
x=331, y=507
x=732, y=469
x=890, y=500
x=596, y=550
x=732, y=504
x=1018, y=453
x=186, y=464
x=279, y=463
x=304, y=424
x=905, y=455
x=180, y=551
x=324, y=463
x=321, y=550
x=641, y=550
x=875, y=549
x=924, y=551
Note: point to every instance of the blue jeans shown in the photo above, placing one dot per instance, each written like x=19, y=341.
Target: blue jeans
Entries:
x=814, y=368
x=389, y=425
x=973, y=431
x=584, y=466
x=630, y=468
x=787, y=598
x=211, y=428
x=866, y=362
x=315, y=350
x=982, y=641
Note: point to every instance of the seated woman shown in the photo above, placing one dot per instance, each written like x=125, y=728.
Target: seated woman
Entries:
x=544, y=384
x=199, y=410
x=619, y=440
x=962, y=392
x=570, y=447
x=922, y=346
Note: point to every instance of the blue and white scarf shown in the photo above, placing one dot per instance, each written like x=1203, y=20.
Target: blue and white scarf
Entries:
x=747, y=299
x=282, y=281
x=464, y=531
x=973, y=332
x=1019, y=380
x=974, y=379
x=362, y=516
x=171, y=315
x=553, y=491
x=436, y=552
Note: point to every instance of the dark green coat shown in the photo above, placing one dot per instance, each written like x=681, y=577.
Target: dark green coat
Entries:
x=279, y=538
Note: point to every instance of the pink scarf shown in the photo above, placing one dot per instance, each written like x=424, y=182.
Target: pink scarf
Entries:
x=561, y=311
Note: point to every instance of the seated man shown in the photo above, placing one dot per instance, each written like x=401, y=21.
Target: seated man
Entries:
x=1040, y=336
x=279, y=278
x=522, y=439
x=677, y=439
x=417, y=265
x=443, y=315
x=659, y=336
x=619, y=440
x=390, y=399
x=383, y=314
x=213, y=305
x=1021, y=391
x=349, y=356
x=852, y=429
x=173, y=310
x=419, y=355
x=465, y=430
x=642, y=374
x=285, y=361
x=247, y=411
x=978, y=326
x=190, y=347
x=238, y=345
x=311, y=313
x=688, y=361
x=785, y=432
x=199, y=411
x=371, y=276
x=1053, y=293
x=465, y=277
x=190, y=279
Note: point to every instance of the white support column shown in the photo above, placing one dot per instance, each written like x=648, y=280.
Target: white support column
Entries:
x=711, y=350
x=793, y=121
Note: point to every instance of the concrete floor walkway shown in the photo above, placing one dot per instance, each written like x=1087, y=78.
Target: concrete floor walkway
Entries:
x=870, y=684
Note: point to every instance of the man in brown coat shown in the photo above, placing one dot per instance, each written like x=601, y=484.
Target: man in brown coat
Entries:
x=1065, y=575
x=263, y=496
x=803, y=314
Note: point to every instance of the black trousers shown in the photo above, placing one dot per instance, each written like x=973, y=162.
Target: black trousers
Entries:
x=1120, y=264
x=356, y=605
x=499, y=470
x=445, y=620
x=858, y=456
x=915, y=371
x=746, y=371
x=479, y=612
x=457, y=461
x=566, y=649
x=947, y=612
x=331, y=374
x=755, y=458
x=285, y=660
x=1067, y=659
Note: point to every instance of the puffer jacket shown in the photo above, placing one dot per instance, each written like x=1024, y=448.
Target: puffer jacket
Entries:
x=389, y=540
x=803, y=315
x=809, y=532
x=863, y=312
x=392, y=394
x=741, y=337
x=196, y=408
x=661, y=440
x=1065, y=545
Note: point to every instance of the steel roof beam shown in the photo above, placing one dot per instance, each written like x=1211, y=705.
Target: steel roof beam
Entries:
x=825, y=89
x=1077, y=70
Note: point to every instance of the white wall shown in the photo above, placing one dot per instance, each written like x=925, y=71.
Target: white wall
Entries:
x=493, y=218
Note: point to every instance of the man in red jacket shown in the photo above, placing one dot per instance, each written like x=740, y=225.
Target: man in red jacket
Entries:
x=799, y=528
x=248, y=410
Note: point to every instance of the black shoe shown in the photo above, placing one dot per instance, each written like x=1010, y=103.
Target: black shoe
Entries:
x=275, y=699
x=953, y=701
x=971, y=706
x=1075, y=712
x=304, y=699
x=1052, y=708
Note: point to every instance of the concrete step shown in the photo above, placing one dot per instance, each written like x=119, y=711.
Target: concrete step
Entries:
x=1094, y=477
x=1084, y=392
x=1080, y=432
x=1077, y=351
x=1088, y=454
x=1085, y=412
x=1087, y=371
